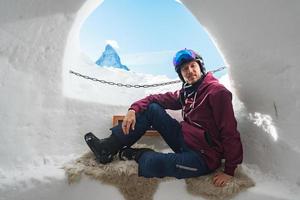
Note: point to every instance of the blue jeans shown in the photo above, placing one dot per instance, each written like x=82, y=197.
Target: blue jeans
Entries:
x=183, y=163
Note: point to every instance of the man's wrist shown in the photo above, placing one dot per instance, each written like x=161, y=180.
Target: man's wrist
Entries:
x=230, y=170
x=131, y=109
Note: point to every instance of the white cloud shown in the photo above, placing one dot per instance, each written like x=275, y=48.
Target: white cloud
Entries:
x=113, y=43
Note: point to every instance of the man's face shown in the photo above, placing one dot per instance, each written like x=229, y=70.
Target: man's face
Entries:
x=191, y=72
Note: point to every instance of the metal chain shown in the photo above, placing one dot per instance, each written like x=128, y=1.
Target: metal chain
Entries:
x=217, y=70
x=133, y=86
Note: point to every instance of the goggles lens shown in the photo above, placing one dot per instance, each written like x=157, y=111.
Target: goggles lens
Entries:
x=183, y=56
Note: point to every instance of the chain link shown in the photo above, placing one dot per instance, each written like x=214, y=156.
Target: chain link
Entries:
x=134, y=86
x=218, y=69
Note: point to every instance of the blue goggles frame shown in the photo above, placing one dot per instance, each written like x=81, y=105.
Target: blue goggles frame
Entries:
x=183, y=56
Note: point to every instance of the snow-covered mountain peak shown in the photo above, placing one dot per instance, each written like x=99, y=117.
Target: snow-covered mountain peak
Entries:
x=110, y=58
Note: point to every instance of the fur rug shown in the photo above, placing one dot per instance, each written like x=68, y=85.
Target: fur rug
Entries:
x=123, y=175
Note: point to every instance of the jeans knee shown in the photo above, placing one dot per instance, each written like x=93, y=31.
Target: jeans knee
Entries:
x=154, y=107
x=154, y=111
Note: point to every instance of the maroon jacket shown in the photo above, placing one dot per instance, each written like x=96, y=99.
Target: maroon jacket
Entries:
x=209, y=110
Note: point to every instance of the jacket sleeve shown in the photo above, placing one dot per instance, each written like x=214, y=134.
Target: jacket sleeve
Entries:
x=169, y=100
x=223, y=114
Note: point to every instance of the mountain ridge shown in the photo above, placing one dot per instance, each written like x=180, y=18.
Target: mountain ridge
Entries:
x=110, y=58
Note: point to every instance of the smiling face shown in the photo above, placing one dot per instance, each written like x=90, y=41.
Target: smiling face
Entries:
x=191, y=72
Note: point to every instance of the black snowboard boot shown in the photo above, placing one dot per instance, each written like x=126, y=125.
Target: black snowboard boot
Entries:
x=129, y=153
x=104, y=149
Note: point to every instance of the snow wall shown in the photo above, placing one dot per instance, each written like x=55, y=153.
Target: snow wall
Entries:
x=39, y=40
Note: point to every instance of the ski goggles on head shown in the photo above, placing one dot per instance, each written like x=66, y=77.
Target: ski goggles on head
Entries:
x=184, y=56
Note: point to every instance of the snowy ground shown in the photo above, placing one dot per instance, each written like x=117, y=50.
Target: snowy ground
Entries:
x=45, y=180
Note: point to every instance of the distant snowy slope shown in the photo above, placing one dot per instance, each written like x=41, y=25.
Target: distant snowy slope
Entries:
x=88, y=90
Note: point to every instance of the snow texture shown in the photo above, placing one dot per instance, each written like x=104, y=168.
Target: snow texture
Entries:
x=43, y=117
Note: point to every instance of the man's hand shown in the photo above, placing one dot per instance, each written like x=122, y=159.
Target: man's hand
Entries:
x=128, y=122
x=220, y=179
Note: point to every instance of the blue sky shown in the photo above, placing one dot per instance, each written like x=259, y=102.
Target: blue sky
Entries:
x=146, y=34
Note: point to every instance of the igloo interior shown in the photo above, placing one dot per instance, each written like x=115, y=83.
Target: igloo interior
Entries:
x=41, y=127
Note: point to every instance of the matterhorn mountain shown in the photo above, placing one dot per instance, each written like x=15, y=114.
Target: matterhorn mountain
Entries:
x=110, y=58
